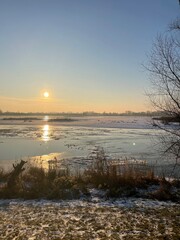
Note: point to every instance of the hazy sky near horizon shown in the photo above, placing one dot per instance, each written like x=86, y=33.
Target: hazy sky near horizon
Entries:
x=87, y=54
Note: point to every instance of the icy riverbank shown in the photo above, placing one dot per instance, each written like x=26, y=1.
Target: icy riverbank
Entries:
x=120, y=219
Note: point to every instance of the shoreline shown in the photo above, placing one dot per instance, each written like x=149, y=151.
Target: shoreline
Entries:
x=120, y=122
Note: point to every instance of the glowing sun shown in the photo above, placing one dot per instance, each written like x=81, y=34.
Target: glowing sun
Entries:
x=46, y=94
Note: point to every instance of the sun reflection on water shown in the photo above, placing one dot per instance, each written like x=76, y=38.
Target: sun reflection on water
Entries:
x=46, y=118
x=45, y=161
x=45, y=135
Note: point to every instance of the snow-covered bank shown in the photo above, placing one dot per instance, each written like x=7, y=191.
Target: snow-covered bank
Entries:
x=121, y=219
x=95, y=202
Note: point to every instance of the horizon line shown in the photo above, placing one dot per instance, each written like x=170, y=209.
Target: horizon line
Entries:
x=82, y=113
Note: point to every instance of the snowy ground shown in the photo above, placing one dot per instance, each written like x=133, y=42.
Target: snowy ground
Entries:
x=122, y=219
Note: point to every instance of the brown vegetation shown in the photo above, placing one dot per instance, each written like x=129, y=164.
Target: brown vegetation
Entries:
x=115, y=179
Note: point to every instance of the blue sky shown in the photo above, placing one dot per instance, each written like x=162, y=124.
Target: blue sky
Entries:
x=87, y=54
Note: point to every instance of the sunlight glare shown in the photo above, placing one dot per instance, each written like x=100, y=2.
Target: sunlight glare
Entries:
x=46, y=94
x=46, y=118
x=45, y=136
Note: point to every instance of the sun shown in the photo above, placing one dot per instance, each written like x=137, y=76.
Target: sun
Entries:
x=46, y=94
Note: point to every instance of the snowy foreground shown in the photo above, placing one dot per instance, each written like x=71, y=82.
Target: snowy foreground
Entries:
x=121, y=219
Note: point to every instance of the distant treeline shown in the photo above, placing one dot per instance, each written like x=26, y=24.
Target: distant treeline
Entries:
x=127, y=113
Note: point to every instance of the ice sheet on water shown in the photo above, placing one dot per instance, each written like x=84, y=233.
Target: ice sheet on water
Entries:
x=120, y=136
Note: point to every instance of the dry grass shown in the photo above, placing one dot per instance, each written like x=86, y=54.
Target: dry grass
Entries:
x=38, y=183
x=117, y=179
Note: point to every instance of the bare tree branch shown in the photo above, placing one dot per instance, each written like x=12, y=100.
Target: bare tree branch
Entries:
x=164, y=69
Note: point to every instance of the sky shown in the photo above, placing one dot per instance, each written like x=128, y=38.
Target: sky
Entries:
x=88, y=54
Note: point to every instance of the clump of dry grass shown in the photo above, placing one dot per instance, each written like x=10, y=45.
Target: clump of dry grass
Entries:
x=116, y=177
x=36, y=182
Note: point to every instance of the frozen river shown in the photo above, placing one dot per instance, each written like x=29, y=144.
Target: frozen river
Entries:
x=74, y=141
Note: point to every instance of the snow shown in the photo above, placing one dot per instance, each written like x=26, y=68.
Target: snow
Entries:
x=85, y=219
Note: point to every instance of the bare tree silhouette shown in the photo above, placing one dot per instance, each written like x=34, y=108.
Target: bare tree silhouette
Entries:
x=164, y=69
